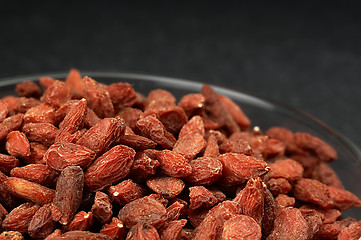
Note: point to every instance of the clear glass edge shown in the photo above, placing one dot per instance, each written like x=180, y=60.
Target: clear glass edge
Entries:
x=266, y=102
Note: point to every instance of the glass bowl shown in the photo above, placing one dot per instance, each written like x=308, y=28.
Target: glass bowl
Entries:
x=263, y=112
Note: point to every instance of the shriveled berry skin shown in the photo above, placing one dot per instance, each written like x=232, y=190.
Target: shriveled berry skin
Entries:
x=19, y=218
x=205, y=171
x=41, y=224
x=69, y=192
x=241, y=227
x=109, y=168
x=237, y=168
x=61, y=155
x=30, y=191
x=169, y=187
x=145, y=210
x=289, y=224
x=173, y=164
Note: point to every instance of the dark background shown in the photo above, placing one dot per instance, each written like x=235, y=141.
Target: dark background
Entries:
x=307, y=55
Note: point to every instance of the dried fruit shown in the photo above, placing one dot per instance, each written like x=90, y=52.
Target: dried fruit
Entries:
x=173, y=164
x=62, y=155
x=144, y=210
x=115, y=229
x=82, y=221
x=7, y=163
x=38, y=173
x=102, y=208
x=109, y=168
x=31, y=191
x=237, y=168
x=169, y=187
x=205, y=171
x=69, y=191
x=241, y=227
x=19, y=218
x=41, y=224
x=126, y=191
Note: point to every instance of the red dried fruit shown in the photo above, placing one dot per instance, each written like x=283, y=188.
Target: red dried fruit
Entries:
x=343, y=199
x=284, y=135
x=69, y=192
x=7, y=163
x=235, y=145
x=325, y=174
x=98, y=98
x=101, y=136
x=209, y=228
x=41, y=224
x=308, y=162
x=17, y=144
x=201, y=197
x=137, y=142
x=40, y=113
x=279, y=186
x=168, y=187
x=57, y=94
x=102, y=208
x=314, y=222
x=143, y=166
x=24, y=104
x=216, y=111
x=351, y=232
x=9, y=102
x=125, y=192
x=251, y=199
x=312, y=191
x=6, y=198
x=75, y=82
x=269, y=214
x=82, y=235
x=19, y=218
x=44, y=133
x=56, y=233
x=190, y=145
x=46, y=82
x=160, y=98
x=28, y=89
x=10, y=124
x=62, y=155
x=284, y=201
x=327, y=215
x=289, y=225
x=173, y=164
x=152, y=128
x=171, y=230
x=31, y=191
x=192, y=103
x=115, y=229
x=130, y=116
x=241, y=227
x=142, y=232
x=193, y=126
x=176, y=209
x=237, y=114
x=37, y=152
x=82, y=221
x=285, y=168
x=212, y=149
x=3, y=110
x=311, y=143
x=74, y=118
x=145, y=210
x=205, y=171
x=122, y=95
x=90, y=118
x=11, y=235
x=38, y=173
x=109, y=168
x=237, y=168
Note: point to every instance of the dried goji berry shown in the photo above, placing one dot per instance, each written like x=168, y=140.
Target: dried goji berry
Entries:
x=173, y=164
x=241, y=227
x=19, y=218
x=205, y=171
x=237, y=168
x=190, y=145
x=69, y=192
x=61, y=155
x=169, y=187
x=126, y=191
x=122, y=95
x=40, y=113
x=109, y=168
x=57, y=94
x=82, y=221
x=115, y=229
x=39, y=173
x=17, y=144
x=102, y=208
x=7, y=163
x=171, y=230
x=41, y=224
x=145, y=210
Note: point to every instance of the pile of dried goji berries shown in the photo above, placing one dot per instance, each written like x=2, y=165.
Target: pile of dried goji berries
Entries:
x=84, y=160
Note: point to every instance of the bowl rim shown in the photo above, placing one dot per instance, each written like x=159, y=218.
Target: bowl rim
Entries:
x=356, y=151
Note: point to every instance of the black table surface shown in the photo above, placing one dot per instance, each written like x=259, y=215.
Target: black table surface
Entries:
x=306, y=55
